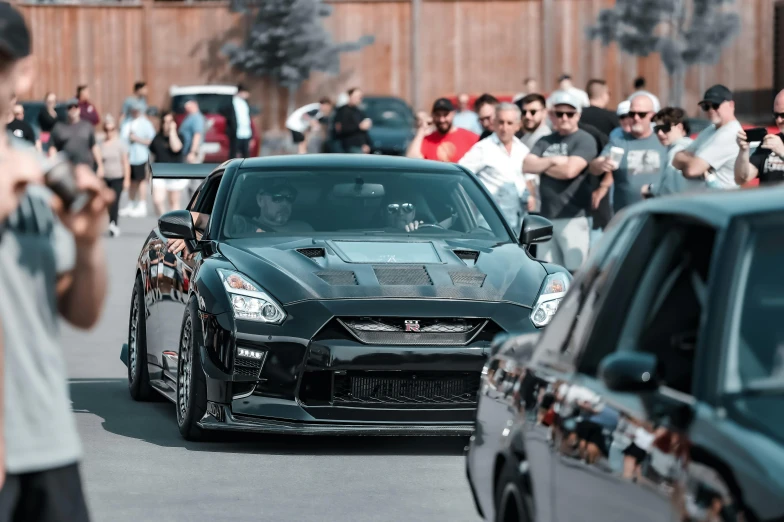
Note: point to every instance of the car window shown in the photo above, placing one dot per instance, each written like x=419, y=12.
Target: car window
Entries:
x=208, y=103
x=565, y=333
x=329, y=201
x=663, y=303
x=755, y=361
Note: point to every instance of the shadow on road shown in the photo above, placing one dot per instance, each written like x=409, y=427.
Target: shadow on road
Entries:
x=155, y=422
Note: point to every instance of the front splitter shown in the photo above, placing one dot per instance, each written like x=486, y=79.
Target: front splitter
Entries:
x=229, y=422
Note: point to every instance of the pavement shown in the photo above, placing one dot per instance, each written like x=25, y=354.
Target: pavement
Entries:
x=137, y=467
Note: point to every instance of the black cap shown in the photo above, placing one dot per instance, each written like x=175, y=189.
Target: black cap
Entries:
x=276, y=185
x=443, y=104
x=14, y=36
x=717, y=94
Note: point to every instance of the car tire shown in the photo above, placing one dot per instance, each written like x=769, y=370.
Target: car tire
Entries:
x=138, y=374
x=509, y=500
x=191, y=403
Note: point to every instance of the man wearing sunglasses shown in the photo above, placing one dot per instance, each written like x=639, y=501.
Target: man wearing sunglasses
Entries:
x=672, y=129
x=642, y=159
x=561, y=160
x=767, y=161
x=275, y=203
x=711, y=157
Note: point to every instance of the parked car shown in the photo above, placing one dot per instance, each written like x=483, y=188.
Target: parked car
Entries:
x=212, y=99
x=394, y=124
x=656, y=392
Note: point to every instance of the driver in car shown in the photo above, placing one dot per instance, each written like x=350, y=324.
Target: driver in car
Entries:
x=402, y=215
x=275, y=204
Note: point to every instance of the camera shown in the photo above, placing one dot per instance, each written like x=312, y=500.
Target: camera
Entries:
x=60, y=177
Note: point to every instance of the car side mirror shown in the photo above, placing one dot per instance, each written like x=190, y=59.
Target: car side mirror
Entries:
x=535, y=229
x=177, y=224
x=630, y=372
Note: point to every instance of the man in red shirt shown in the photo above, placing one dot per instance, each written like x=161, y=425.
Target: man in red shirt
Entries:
x=445, y=142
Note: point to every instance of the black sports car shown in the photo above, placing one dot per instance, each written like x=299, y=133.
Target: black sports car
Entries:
x=332, y=294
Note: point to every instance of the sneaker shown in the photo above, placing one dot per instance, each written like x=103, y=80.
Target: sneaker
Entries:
x=139, y=209
x=126, y=210
x=114, y=230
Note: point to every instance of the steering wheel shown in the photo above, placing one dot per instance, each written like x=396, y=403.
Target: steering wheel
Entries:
x=429, y=225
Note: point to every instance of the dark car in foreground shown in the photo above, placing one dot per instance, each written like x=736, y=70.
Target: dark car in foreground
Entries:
x=657, y=391
x=308, y=304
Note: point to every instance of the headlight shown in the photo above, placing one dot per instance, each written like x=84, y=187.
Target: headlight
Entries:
x=248, y=300
x=553, y=290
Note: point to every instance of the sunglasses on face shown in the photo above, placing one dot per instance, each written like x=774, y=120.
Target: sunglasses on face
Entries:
x=778, y=115
x=532, y=112
x=398, y=208
x=73, y=107
x=483, y=118
x=664, y=127
x=640, y=115
x=706, y=106
x=280, y=198
x=568, y=114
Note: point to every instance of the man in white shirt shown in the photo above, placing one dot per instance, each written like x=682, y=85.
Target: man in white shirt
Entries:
x=299, y=123
x=711, y=157
x=240, y=145
x=498, y=163
x=138, y=132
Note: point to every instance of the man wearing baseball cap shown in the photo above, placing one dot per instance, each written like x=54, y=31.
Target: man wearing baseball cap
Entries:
x=61, y=274
x=445, y=142
x=561, y=160
x=711, y=157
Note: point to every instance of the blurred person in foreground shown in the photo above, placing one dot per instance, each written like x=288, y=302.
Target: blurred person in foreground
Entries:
x=561, y=159
x=711, y=157
x=445, y=142
x=63, y=272
x=767, y=161
x=485, y=106
x=498, y=163
x=672, y=129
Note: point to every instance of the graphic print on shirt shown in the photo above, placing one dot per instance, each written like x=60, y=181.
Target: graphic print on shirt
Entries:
x=773, y=163
x=556, y=149
x=643, y=162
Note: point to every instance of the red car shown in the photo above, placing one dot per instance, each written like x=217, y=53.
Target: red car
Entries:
x=211, y=99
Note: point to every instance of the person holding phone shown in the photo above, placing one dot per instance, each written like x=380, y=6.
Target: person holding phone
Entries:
x=767, y=161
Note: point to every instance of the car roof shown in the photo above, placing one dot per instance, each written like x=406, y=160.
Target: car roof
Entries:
x=717, y=207
x=185, y=90
x=366, y=161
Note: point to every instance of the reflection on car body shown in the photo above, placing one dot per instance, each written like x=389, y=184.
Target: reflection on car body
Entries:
x=653, y=394
x=310, y=303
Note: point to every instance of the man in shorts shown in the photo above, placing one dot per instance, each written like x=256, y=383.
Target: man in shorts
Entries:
x=138, y=132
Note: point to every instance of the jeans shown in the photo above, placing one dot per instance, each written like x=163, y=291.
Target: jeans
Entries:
x=239, y=146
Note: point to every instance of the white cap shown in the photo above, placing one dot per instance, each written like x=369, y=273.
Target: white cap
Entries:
x=624, y=107
x=561, y=97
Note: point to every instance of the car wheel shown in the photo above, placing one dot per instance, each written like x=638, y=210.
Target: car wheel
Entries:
x=138, y=376
x=509, y=502
x=191, y=382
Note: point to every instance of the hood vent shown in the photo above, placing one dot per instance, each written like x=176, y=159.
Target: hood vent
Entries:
x=312, y=252
x=468, y=256
x=338, y=277
x=402, y=275
x=466, y=278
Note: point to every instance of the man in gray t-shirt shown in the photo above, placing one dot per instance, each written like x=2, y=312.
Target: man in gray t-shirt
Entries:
x=642, y=155
x=51, y=267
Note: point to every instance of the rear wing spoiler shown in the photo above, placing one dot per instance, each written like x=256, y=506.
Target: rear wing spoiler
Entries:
x=182, y=170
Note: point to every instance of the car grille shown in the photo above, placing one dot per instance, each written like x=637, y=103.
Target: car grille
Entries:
x=402, y=275
x=247, y=367
x=399, y=330
x=375, y=387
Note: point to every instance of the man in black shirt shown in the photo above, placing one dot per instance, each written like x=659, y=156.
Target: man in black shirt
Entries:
x=20, y=128
x=597, y=114
x=767, y=162
x=351, y=125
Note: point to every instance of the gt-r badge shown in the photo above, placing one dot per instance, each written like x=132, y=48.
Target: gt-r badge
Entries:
x=412, y=325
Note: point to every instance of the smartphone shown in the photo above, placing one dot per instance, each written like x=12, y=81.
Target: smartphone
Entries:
x=756, y=134
x=60, y=177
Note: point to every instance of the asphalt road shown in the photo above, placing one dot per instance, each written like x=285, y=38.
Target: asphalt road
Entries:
x=137, y=467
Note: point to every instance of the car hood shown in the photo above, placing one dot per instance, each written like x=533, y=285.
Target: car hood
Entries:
x=294, y=270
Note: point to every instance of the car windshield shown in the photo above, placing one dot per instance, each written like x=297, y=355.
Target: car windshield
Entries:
x=756, y=356
x=389, y=113
x=208, y=103
x=332, y=202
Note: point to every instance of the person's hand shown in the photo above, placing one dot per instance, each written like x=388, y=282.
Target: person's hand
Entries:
x=175, y=246
x=366, y=149
x=413, y=226
x=531, y=203
x=559, y=161
x=18, y=170
x=773, y=143
x=598, y=195
x=742, y=140
x=191, y=157
x=89, y=223
x=609, y=165
x=365, y=124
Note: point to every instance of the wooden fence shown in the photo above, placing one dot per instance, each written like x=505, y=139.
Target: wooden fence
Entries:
x=422, y=49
